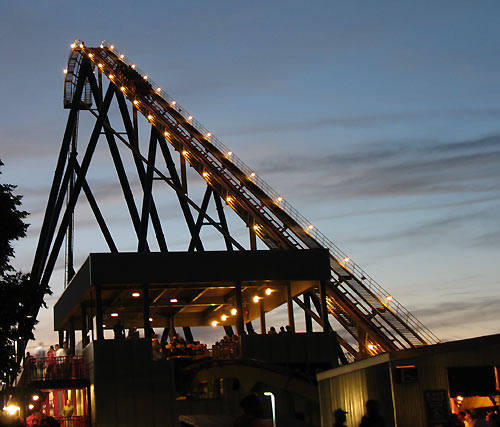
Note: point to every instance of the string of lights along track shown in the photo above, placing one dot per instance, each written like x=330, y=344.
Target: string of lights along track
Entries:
x=353, y=297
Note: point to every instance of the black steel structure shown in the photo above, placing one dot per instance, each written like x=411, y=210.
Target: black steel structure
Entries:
x=375, y=321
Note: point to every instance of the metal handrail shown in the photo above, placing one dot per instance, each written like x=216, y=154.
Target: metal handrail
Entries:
x=336, y=253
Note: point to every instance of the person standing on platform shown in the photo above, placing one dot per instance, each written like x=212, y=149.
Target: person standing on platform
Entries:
x=40, y=354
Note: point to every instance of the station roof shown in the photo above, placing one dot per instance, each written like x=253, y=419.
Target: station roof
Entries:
x=192, y=288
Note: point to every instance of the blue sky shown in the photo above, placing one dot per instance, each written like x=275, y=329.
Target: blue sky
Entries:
x=378, y=121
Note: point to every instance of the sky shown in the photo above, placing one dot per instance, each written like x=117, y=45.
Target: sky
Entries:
x=379, y=121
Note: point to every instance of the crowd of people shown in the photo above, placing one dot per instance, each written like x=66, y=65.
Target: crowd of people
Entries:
x=227, y=348
x=55, y=362
x=177, y=347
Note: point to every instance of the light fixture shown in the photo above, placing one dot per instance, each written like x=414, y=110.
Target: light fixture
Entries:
x=101, y=46
x=388, y=298
x=214, y=323
x=209, y=135
x=150, y=117
x=460, y=398
x=114, y=314
x=35, y=397
x=150, y=319
x=65, y=71
x=252, y=174
x=370, y=346
x=310, y=226
x=268, y=291
x=31, y=406
x=122, y=88
x=111, y=76
x=173, y=103
x=174, y=300
x=122, y=56
x=111, y=47
x=234, y=312
x=190, y=117
x=73, y=45
x=223, y=317
x=205, y=174
x=279, y=198
x=145, y=77
x=133, y=66
x=273, y=405
x=11, y=409
x=184, y=153
x=81, y=45
x=166, y=134
x=99, y=65
x=347, y=259
x=229, y=199
x=256, y=299
x=136, y=294
x=91, y=55
x=136, y=102
x=229, y=153
x=256, y=227
x=158, y=89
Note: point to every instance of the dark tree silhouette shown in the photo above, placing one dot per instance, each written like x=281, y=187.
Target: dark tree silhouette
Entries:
x=17, y=295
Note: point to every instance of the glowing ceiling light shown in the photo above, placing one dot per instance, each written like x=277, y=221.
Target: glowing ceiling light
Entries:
x=133, y=66
x=223, y=317
x=101, y=46
x=122, y=88
x=135, y=102
x=35, y=397
x=73, y=45
x=111, y=77
x=184, y=153
x=114, y=314
x=145, y=77
x=209, y=135
x=122, y=56
x=190, y=117
x=174, y=300
x=81, y=45
x=279, y=199
x=256, y=227
x=229, y=199
x=99, y=65
x=65, y=71
x=173, y=103
x=150, y=319
x=158, y=89
x=347, y=259
x=150, y=117
x=11, y=409
x=388, y=298
x=252, y=175
x=31, y=406
x=111, y=47
x=229, y=153
x=234, y=312
x=166, y=133
x=370, y=346
x=310, y=226
x=136, y=294
x=256, y=299
x=91, y=55
x=214, y=323
x=460, y=398
x=268, y=291
x=205, y=174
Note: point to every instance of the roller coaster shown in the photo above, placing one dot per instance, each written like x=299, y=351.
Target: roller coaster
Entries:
x=375, y=320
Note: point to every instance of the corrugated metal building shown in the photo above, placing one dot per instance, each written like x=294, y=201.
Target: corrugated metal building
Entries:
x=418, y=387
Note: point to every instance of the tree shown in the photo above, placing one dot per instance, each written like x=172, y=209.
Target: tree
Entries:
x=17, y=295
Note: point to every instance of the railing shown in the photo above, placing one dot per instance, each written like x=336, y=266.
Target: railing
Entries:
x=54, y=368
x=336, y=253
x=74, y=421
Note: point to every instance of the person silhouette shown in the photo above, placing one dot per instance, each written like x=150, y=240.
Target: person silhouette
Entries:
x=339, y=418
x=372, y=418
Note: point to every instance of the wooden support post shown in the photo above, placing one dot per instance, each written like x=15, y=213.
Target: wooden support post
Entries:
x=289, y=304
x=263, y=330
x=84, y=325
x=71, y=333
x=324, y=310
x=307, y=303
x=98, y=313
x=240, y=326
x=145, y=311
x=253, y=237
x=61, y=338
